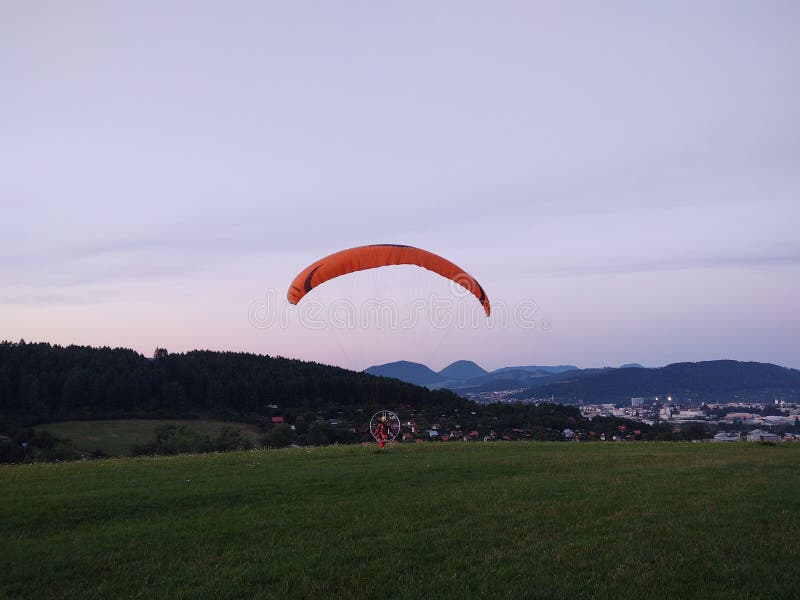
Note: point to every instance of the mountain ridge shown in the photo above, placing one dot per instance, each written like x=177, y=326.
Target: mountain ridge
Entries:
x=703, y=381
x=461, y=373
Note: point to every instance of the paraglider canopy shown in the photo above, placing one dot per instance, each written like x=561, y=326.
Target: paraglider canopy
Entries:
x=381, y=255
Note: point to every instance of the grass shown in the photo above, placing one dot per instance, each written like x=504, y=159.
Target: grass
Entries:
x=461, y=520
x=115, y=437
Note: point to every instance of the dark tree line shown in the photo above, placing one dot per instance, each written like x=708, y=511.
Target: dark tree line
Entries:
x=40, y=382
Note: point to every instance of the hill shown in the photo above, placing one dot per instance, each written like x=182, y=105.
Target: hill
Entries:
x=515, y=379
x=410, y=372
x=458, y=520
x=709, y=381
x=42, y=382
x=462, y=369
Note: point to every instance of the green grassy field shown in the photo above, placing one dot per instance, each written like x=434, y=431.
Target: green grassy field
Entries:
x=417, y=521
x=115, y=437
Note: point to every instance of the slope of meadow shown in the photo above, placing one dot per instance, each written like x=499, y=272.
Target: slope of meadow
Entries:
x=424, y=520
x=116, y=437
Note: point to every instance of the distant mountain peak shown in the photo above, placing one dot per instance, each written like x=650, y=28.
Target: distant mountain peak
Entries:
x=404, y=370
x=632, y=366
x=462, y=369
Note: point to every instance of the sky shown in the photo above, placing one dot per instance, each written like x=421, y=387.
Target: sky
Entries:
x=622, y=178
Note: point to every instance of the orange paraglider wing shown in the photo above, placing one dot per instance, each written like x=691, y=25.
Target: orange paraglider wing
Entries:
x=381, y=255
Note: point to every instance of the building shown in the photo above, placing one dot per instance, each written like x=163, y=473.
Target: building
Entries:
x=740, y=416
x=724, y=436
x=758, y=435
x=688, y=414
x=637, y=402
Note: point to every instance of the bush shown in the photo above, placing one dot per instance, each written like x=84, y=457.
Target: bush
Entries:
x=176, y=439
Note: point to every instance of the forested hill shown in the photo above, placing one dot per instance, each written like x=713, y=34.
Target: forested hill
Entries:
x=41, y=382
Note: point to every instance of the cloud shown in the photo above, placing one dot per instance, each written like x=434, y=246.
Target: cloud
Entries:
x=670, y=264
x=22, y=299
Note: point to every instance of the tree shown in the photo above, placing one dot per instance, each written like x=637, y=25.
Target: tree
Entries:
x=694, y=431
x=229, y=438
x=280, y=436
x=319, y=434
x=172, y=439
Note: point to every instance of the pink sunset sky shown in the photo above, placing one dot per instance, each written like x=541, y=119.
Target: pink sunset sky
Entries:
x=629, y=174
